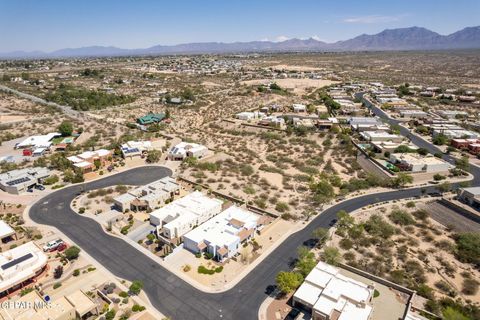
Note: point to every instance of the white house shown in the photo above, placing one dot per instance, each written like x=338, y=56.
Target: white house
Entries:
x=418, y=163
x=20, y=264
x=222, y=235
x=187, y=149
x=328, y=294
x=135, y=148
x=149, y=196
x=35, y=142
x=245, y=116
x=17, y=181
x=6, y=232
x=377, y=136
x=182, y=215
x=299, y=107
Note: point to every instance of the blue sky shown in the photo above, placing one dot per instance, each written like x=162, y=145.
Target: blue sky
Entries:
x=52, y=24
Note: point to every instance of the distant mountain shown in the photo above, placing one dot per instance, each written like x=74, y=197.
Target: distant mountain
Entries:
x=413, y=38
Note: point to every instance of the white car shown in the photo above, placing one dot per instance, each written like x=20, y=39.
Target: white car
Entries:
x=52, y=245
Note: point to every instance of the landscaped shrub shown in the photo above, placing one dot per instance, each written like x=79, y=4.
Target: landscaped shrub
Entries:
x=203, y=270
x=401, y=217
x=72, y=253
x=137, y=308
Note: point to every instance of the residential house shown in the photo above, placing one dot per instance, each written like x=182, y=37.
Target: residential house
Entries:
x=151, y=118
x=182, y=215
x=17, y=181
x=87, y=161
x=148, y=197
x=328, y=295
x=187, y=149
x=417, y=163
x=20, y=265
x=222, y=235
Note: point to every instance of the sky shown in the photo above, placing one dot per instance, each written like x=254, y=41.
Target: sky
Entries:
x=48, y=25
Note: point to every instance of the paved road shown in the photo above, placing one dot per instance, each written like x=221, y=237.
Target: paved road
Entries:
x=65, y=109
x=168, y=293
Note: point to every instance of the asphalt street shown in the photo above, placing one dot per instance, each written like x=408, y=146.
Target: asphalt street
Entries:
x=170, y=294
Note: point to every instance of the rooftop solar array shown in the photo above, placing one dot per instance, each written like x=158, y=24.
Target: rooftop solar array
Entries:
x=18, y=181
x=131, y=150
x=16, y=261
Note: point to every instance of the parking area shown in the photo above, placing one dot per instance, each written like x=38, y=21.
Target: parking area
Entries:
x=449, y=218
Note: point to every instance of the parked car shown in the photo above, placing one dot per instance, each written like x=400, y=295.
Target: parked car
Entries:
x=62, y=247
x=39, y=187
x=29, y=189
x=332, y=223
x=53, y=245
x=270, y=289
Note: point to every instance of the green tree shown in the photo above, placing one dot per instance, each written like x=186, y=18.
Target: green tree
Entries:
x=401, y=180
x=463, y=163
x=322, y=191
x=321, y=234
x=72, y=253
x=288, y=281
x=450, y=313
x=154, y=156
x=97, y=163
x=65, y=128
x=444, y=187
x=440, y=139
x=331, y=255
x=344, y=219
x=135, y=287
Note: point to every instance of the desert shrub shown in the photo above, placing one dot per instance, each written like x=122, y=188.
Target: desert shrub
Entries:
x=401, y=217
x=346, y=244
x=468, y=247
x=420, y=214
x=377, y=226
x=282, y=207
x=470, y=286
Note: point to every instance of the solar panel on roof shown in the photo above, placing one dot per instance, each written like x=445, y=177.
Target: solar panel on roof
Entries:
x=17, y=181
x=132, y=150
x=16, y=261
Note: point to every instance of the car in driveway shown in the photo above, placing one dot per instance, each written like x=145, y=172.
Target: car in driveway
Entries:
x=39, y=187
x=53, y=245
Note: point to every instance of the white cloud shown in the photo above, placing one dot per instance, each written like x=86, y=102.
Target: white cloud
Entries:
x=372, y=19
x=281, y=38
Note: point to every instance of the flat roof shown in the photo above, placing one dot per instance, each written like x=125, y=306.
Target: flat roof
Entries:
x=81, y=302
x=19, y=264
x=308, y=293
x=219, y=231
x=329, y=291
x=191, y=206
x=5, y=230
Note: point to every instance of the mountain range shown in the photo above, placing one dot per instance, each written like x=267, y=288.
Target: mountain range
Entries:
x=413, y=38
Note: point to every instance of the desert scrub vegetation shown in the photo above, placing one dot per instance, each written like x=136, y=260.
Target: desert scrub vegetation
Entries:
x=84, y=99
x=401, y=243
